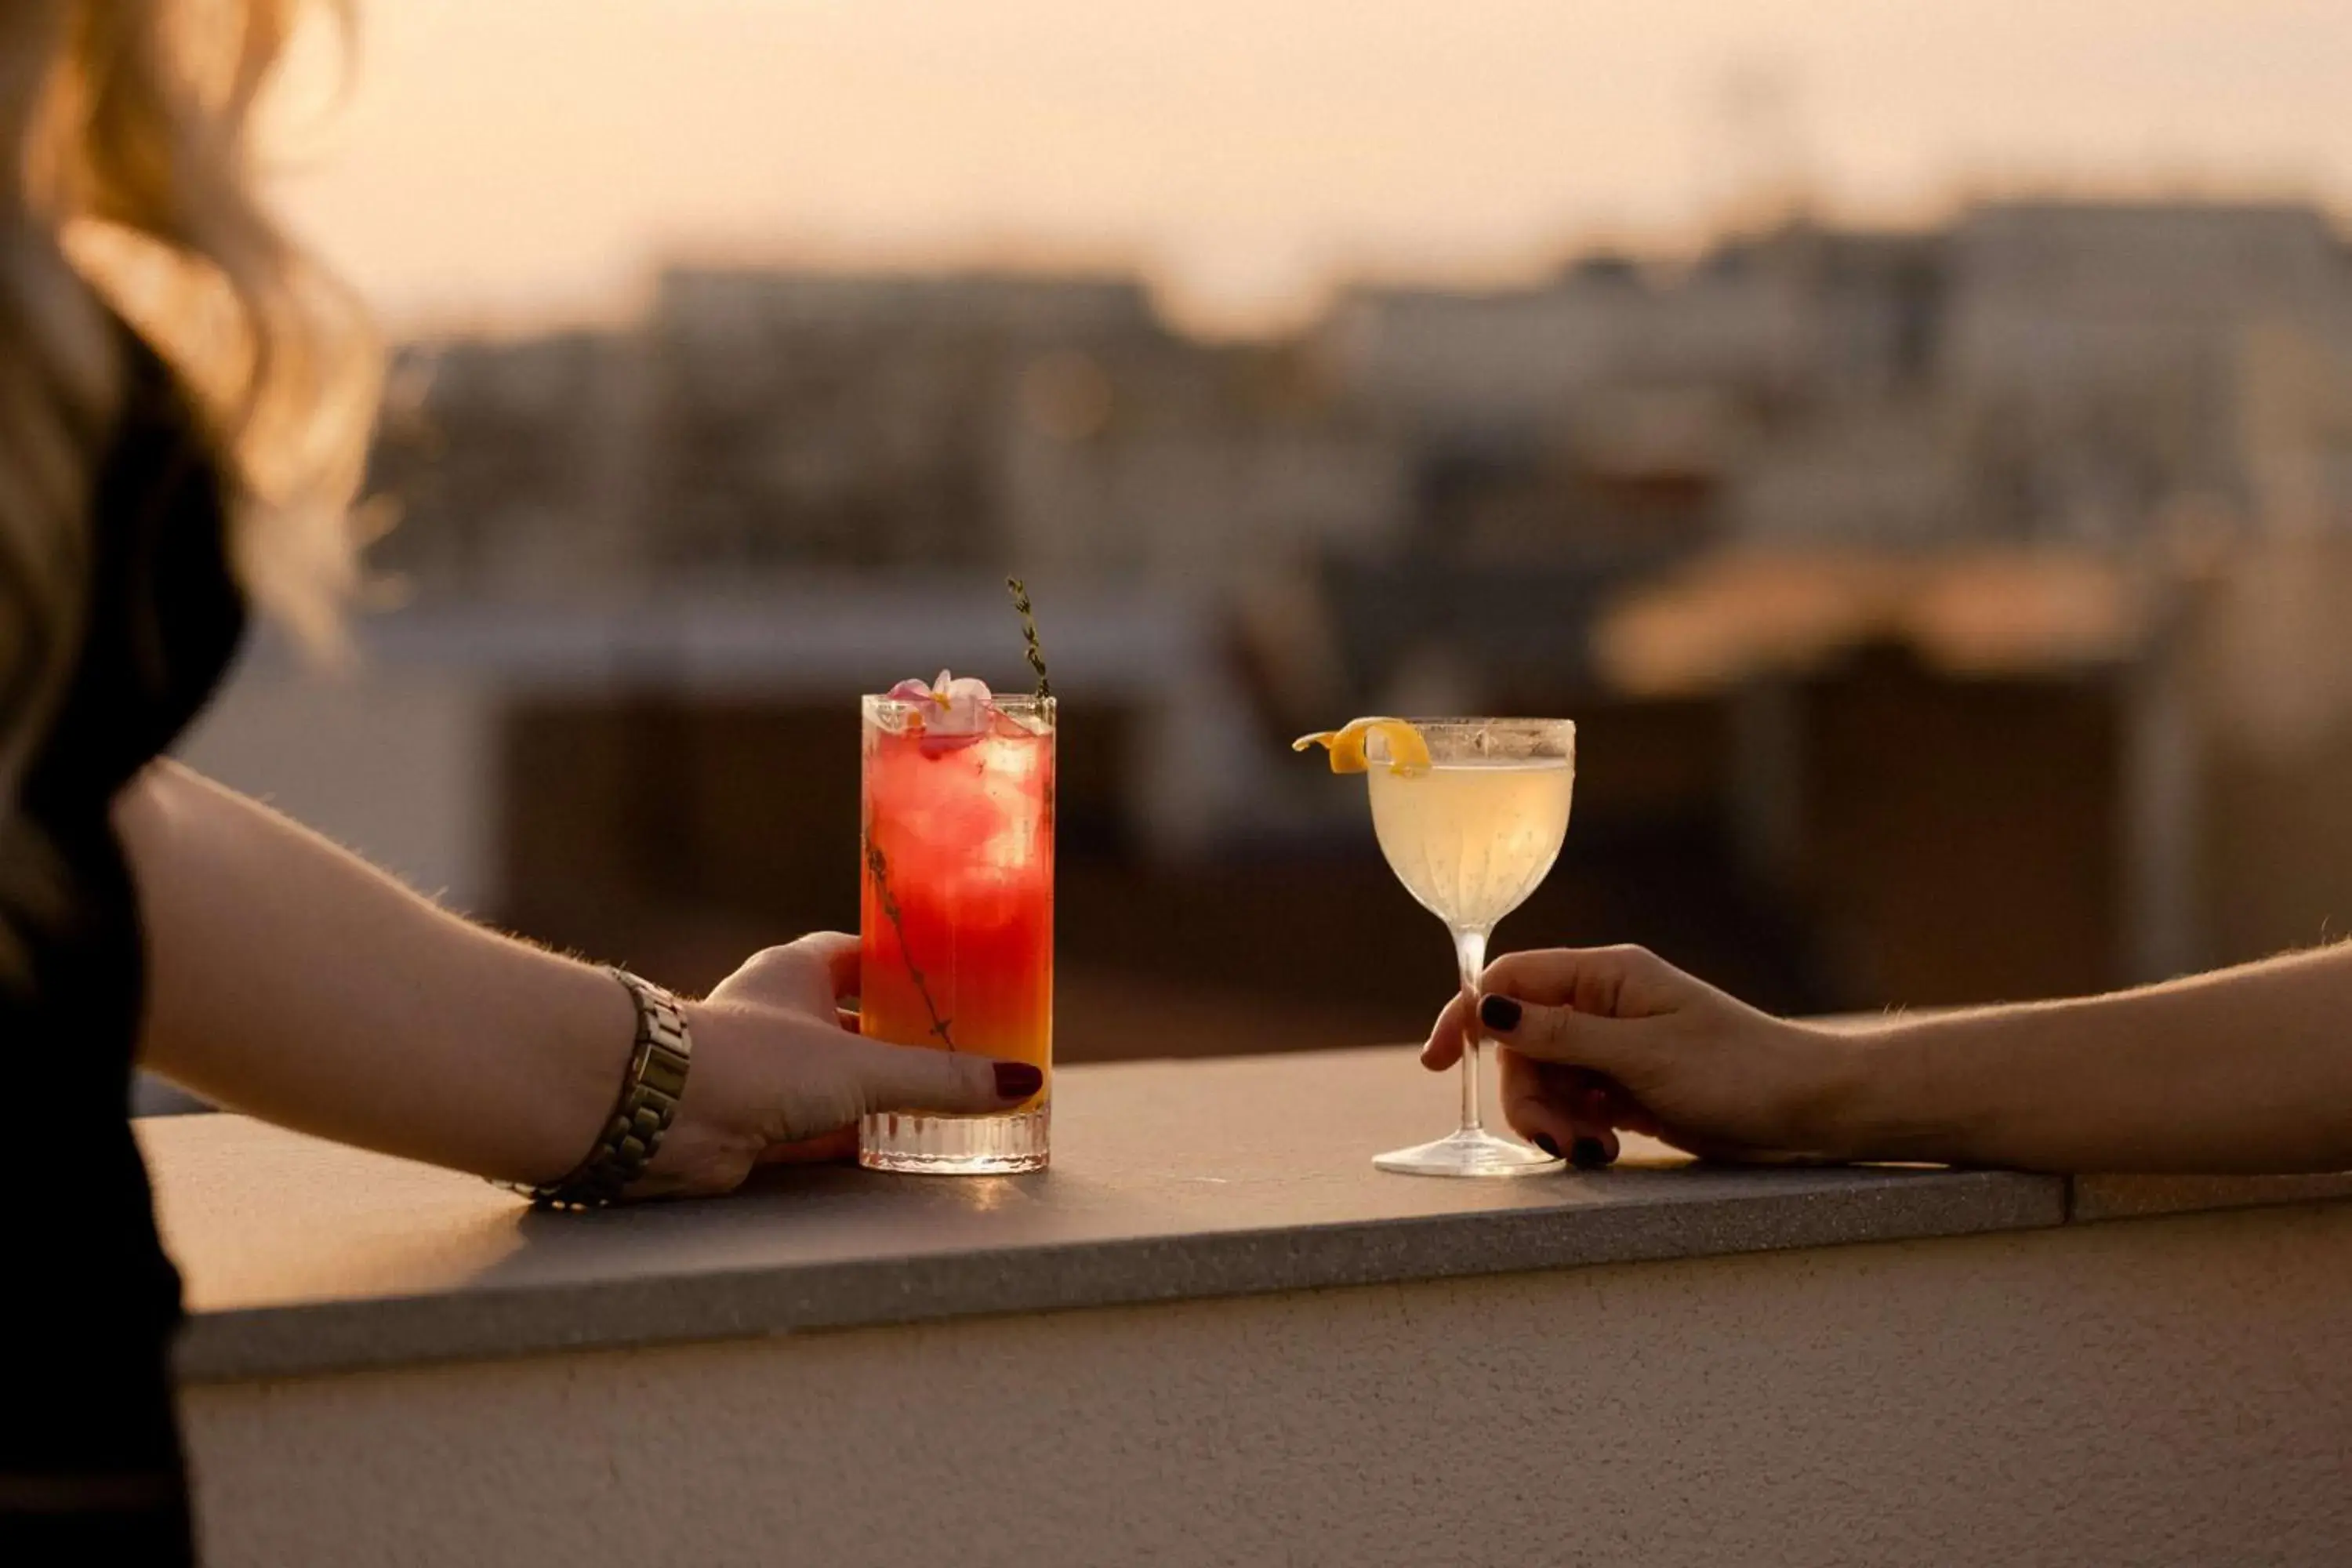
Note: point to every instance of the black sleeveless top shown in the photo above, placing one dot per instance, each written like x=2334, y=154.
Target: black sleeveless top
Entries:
x=89, y=1456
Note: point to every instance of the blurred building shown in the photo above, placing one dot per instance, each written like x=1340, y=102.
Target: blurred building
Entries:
x=758, y=424
x=2034, y=372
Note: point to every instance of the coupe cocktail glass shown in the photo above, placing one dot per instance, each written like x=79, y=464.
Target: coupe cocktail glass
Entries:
x=957, y=919
x=1470, y=836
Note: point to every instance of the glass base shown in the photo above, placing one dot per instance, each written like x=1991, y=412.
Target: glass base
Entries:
x=956, y=1145
x=1469, y=1153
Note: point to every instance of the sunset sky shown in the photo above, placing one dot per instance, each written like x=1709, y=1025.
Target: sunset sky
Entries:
x=526, y=160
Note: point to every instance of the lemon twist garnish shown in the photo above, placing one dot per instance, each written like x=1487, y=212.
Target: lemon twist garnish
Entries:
x=1408, y=753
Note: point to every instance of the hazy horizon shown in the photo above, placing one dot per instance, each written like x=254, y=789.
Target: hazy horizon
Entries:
x=513, y=161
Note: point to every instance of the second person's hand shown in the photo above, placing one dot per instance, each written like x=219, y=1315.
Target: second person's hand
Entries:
x=1593, y=1040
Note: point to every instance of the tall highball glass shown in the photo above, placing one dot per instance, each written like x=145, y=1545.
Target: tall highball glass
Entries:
x=956, y=947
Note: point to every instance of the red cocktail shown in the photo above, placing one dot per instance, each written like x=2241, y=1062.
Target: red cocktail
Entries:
x=957, y=916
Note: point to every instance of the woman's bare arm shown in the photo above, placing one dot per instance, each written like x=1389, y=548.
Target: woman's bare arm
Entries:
x=2240, y=1070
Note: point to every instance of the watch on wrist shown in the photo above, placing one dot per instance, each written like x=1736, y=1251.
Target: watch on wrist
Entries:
x=650, y=1091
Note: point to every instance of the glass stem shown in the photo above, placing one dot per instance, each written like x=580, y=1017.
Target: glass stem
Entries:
x=1470, y=946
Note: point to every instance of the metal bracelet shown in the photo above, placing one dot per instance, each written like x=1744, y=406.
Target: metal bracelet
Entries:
x=649, y=1096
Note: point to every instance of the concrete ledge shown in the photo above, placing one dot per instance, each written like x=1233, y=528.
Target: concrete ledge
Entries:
x=1172, y=1181
x=2135, y=1197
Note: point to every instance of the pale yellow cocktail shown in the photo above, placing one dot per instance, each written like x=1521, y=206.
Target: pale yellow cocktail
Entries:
x=1471, y=839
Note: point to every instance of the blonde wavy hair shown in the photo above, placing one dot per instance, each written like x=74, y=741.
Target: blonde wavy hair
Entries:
x=127, y=129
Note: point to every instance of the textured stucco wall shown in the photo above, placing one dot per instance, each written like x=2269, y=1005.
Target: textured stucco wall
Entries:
x=2165, y=1391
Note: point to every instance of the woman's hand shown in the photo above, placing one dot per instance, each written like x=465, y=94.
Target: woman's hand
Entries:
x=780, y=1074
x=1602, y=1038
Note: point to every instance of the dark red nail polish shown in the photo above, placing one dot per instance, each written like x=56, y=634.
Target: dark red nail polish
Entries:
x=1018, y=1081
x=1588, y=1154
x=1544, y=1141
x=1498, y=1013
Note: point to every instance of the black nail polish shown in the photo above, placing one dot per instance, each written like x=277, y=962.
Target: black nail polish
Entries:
x=1498, y=1013
x=1018, y=1081
x=1544, y=1141
x=1588, y=1154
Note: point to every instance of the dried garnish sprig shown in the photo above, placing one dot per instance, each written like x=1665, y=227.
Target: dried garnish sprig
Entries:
x=878, y=865
x=1020, y=592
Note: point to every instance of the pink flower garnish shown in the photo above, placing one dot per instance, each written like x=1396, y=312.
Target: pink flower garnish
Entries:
x=956, y=710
